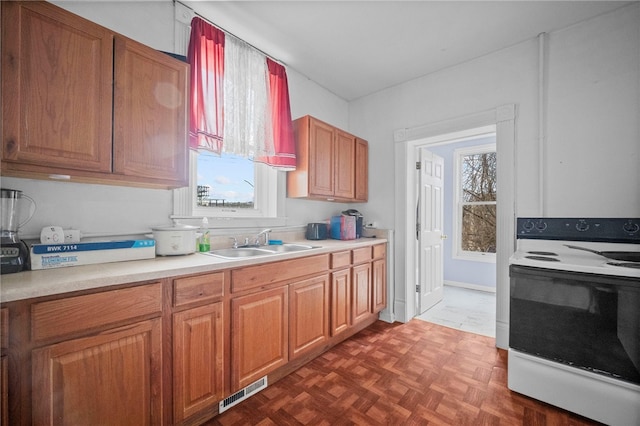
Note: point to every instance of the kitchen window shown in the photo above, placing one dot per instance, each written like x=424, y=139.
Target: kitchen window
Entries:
x=476, y=199
x=269, y=192
x=232, y=186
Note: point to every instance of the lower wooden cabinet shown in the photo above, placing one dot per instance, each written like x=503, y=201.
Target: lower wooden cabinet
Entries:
x=167, y=352
x=340, y=301
x=4, y=391
x=379, y=278
x=4, y=372
x=113, y=377
x=259, y=335
x=308, y=315
x=197, y=360
x=361, y=293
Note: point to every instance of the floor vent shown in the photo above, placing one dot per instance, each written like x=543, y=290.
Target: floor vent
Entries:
x=242, y=394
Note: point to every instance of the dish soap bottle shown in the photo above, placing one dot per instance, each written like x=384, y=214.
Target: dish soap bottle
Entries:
x=205, y=240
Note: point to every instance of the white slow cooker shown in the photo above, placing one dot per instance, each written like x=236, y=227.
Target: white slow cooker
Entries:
x=173, y=240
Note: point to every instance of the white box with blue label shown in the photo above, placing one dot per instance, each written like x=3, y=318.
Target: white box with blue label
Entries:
x=48, y=256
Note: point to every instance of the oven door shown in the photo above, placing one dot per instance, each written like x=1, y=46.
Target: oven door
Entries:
x=586, y=321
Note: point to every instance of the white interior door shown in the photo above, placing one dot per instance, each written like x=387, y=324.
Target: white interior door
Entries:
x=429, y=230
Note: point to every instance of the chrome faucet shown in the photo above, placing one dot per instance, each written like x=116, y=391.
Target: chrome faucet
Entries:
x=264, y=232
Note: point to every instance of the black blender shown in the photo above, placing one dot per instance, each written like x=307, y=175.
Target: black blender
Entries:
x=14, y=254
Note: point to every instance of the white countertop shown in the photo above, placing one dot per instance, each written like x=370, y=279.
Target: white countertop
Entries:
x=30, y=284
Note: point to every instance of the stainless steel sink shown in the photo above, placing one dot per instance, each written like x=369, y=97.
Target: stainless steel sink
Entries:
x=241, y=252
x=286, y=248
x=245, y=252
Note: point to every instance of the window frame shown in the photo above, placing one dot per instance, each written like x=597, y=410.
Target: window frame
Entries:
x=458, y=205
x=270, y=193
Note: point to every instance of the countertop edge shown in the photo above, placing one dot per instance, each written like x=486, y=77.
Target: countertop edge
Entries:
x=40, y=283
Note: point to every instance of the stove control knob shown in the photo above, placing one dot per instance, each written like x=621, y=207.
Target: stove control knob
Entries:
x=541, y=226
x=528, y=225
x=631, y=227
x=582, y=225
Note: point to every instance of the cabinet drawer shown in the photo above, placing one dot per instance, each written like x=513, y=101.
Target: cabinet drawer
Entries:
x=270, y=273
x=202, y=288
x=361, y=255
x=83, y=313
x=4, y=328
x=379, y=251
x=341, y=259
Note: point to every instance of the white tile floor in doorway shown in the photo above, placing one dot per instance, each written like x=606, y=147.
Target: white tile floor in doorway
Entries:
x=464, y=309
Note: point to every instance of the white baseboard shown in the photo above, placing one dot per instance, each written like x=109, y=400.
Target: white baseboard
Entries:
x=470, y=286
x=399, y=309
x=387, y=316
x=502, y=335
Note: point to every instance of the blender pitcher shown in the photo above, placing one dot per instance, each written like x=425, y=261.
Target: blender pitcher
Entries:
x=11, y=201
x=14, y=254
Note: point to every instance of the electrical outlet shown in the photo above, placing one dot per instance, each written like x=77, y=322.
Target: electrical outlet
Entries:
x=71, y=236
x=52, y=235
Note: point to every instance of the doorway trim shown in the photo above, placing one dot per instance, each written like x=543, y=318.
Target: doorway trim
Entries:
x=406, y=140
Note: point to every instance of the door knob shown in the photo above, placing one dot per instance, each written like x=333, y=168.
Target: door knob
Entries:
x=443, y=237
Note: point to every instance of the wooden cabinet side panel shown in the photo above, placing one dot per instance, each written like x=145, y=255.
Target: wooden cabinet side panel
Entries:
x=309, y=315
x=298, y=179
x=361, y=296
x=362, y=170
x=259, y=335
x=80, y=313
x=379, y=277
x=110, y=378
x=56, y=82
x=340, y=301
x=150, y=113
x=344, y=165
x=197, y=360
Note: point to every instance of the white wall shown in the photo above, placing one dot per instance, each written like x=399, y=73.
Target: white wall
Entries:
x=111, y=210
x=591, y=162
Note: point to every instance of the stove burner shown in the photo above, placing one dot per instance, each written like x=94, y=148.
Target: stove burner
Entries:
x=543, y=253
x=635, y=265
x=546, y=259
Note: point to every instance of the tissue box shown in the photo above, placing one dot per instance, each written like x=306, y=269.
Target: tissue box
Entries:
x=343, y=227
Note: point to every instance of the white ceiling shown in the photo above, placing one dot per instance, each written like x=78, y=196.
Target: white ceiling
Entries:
x=355, y=48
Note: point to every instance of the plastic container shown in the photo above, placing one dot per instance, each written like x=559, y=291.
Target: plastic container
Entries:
x=205, y=238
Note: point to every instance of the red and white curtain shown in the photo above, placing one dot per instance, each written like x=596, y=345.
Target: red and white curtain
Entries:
x=239, y=99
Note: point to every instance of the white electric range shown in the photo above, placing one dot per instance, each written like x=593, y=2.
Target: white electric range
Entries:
x=574, y=329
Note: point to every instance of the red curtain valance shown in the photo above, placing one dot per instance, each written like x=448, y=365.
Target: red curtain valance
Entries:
x=206, y=56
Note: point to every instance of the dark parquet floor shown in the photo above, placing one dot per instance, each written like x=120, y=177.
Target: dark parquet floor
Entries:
x=416, y=373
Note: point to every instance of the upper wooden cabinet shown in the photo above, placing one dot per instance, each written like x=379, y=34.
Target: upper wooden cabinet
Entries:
x=362, y=170
x=332, y=164
x=83, y=102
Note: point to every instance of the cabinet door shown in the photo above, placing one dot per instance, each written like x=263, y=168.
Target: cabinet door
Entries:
x=361, y=297
x=259, y=335
x=379, y=276
x=321, y=158
x=362, y=170
x=57, y=71
x=150, y=114
x=344, y=169
x=197, y=360
x=340, y=301
x=110, y=378
x=309, y=315
x=4, y=372
x=4, y=391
